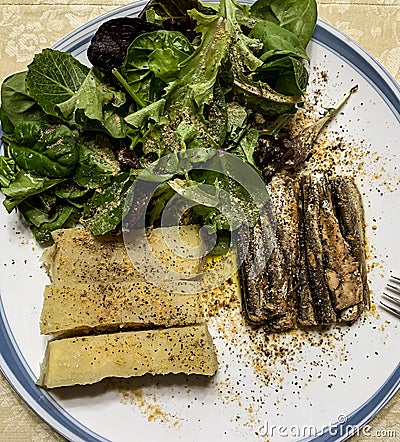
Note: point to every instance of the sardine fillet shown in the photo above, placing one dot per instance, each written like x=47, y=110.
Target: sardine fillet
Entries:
x=314, y=250
x=317, y=272
x=284, y=192
x=350, y=212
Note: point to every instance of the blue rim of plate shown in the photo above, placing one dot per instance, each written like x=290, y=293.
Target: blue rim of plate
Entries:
x=12, y=363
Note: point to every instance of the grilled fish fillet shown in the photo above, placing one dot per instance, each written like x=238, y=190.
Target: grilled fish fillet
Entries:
x=284, y=193
x=316, y=275
x=350, y=212
x=260, y=302
x=313, y=189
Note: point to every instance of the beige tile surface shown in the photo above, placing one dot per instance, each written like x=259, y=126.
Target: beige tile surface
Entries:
x=27, y=26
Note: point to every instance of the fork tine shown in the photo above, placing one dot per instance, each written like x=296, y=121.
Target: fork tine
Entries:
x=390, y=308
x=392, y=298
x=393, y=287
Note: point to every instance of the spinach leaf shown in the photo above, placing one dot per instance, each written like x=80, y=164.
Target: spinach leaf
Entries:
x=27, y=133
x=36, y=212
x=108, y=46
x=54, y=154
x=297, y=16
x=113, y=121
x=44, y=212
x=25, y=185
x=157, y=204
x=223, y=243
x=16, y=105
x=70, y=191
x=210, y=217
x=152, y=60
x=104, y=211
x=97, y=163
x=277, y=41
x=60, y=219
x=68, y=90
x=7, y=171
x=152, y=112
x=286, y=75
x=232, y=205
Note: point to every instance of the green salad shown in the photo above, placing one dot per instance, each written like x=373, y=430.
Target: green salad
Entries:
x=190, y=76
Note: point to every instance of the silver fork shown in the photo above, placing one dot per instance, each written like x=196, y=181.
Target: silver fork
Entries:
x=393, y=296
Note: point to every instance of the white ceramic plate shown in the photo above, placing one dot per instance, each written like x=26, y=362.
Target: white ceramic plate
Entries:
x=309, y=386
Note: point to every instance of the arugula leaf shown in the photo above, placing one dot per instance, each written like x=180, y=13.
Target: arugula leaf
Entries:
x=246, y=146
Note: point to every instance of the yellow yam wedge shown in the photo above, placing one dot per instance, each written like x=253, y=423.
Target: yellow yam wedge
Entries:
x=77, y=256
x=86, y=360
x=70, y=310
